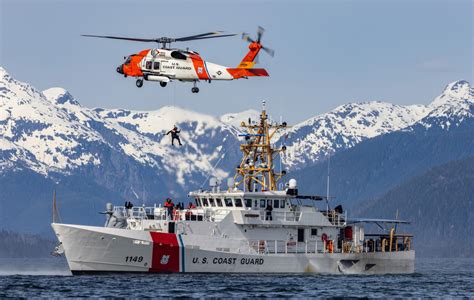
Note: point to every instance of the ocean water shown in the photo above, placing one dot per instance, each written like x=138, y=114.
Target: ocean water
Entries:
x=50, y=278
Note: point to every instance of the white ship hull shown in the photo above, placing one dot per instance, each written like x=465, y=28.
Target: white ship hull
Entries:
x=90, y=249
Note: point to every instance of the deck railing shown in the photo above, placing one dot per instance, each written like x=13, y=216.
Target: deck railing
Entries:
x=319, y=246
x=160, y=213
x=285, y=247
x=283, y=216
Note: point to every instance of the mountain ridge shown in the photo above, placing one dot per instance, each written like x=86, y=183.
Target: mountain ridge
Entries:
x=439, y=202
x=142, y=133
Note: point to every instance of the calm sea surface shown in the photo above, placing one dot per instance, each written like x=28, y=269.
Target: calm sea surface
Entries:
x=50, y=278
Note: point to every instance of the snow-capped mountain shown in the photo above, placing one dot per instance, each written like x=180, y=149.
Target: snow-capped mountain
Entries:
x=51, y=133
x=344, y=127
x=376, y=165
x=204, y=138
x=311, y=141
x=234, y=119
x=39, y=134
x=455, y=104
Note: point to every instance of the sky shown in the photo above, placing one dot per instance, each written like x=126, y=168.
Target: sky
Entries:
x=327, y=53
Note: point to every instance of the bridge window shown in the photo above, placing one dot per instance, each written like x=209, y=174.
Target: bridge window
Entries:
x=238, y=202
x=262, y=203
x=211, y=201
x=219, y=202
x=178, y=55
x=314, y=231
x=198, y=202
x=205, y=202
x=248, y=203
x=228, y=202
x=282, y=203
x=276, y=203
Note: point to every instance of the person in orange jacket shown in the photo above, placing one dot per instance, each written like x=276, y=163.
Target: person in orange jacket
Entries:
x=169, y=207
x=189, y=213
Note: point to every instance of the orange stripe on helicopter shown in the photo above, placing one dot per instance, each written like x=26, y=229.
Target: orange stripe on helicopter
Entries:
x=199, y=67
x=133, y=68
x=241, y=72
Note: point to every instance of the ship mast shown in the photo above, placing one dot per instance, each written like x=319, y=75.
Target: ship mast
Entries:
x=256, y=170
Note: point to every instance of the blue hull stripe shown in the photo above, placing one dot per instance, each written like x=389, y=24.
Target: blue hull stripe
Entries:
x=183, y=262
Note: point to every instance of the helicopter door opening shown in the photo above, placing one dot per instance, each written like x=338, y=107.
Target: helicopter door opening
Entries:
x=148, y=64
x=156, y=66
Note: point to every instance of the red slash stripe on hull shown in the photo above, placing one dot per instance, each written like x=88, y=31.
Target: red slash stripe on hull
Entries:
x=165, y=252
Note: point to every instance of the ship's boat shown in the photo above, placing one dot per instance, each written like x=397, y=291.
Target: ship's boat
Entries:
x=256, y=224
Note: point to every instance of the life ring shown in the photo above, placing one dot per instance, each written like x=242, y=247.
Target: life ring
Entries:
x=324, y=237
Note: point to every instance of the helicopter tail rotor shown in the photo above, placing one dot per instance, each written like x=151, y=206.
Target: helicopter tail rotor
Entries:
x=255, y=46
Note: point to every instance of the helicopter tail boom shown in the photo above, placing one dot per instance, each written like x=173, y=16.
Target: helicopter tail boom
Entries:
x=249, y=60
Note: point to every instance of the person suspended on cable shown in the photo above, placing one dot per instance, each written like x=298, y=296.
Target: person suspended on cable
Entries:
x=175, y=135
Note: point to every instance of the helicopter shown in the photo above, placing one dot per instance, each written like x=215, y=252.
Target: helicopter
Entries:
x=166, y=64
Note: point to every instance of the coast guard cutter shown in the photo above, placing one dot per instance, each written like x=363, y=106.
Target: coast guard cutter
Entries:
x=257, y=224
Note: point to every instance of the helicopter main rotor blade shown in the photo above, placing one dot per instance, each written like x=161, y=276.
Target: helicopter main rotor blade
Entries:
x=208, y=35
x=120, y=38
x=199, y=35
x=203, y=37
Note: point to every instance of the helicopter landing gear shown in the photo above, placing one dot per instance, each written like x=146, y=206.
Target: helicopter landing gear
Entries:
x=139, y=83
x=163, y=84
x=195, y=89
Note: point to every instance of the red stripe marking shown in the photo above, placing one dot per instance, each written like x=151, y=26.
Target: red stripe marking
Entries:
x=165, y=252
x=241, y=72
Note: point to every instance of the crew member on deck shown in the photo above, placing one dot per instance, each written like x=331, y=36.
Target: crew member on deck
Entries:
x=169, y=207
x=175, y=135
x=189, y=213
x=268, y=211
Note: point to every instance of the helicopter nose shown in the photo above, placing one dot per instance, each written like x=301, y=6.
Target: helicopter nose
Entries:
x=120, y=69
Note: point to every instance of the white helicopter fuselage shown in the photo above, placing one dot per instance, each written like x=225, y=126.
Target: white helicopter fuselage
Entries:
x=160, y=65
x=165, y=65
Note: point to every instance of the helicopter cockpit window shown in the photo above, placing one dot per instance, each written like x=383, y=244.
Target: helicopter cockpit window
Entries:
x=128, y=60
x=178, y=55
x=148, y=64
